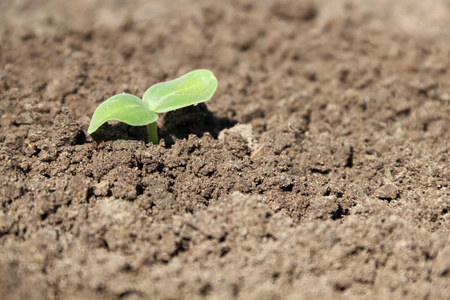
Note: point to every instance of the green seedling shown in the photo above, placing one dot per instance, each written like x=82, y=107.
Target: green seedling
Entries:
x=192, y=88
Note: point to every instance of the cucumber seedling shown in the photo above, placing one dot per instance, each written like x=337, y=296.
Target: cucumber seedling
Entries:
x=192, y=88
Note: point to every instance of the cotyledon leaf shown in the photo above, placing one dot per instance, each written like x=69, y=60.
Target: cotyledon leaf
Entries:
x=125, y=108
x=192, y=88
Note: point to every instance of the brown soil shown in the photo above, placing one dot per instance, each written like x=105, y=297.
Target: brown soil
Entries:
x=320, y=168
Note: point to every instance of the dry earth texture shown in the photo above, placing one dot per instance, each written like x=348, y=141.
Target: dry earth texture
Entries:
x=319, y=170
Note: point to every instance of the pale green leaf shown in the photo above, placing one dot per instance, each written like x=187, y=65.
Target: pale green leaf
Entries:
x=125, y=108
x=194, y=87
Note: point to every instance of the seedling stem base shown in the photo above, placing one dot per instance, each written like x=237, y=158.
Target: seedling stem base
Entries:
x=152, y=131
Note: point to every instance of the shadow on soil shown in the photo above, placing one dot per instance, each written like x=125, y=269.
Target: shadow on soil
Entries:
x=172, y=126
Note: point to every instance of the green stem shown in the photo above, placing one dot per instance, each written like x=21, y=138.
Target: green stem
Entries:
x=152, y=130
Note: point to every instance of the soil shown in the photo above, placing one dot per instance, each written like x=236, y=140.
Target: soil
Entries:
x=320, y=169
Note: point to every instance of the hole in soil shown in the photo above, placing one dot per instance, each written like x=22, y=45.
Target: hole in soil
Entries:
x=206, y=289
x=324, y=172
x=104, y=244
x=139, y=189
x=223, y=237
x=275, y=276
x=327, y=192
x=339, y=213
x=181, y=246
x=89, y=193
x=349, y=162
x=224, y=251
x=80, y=138
x=340, y=287
x=287, y=188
